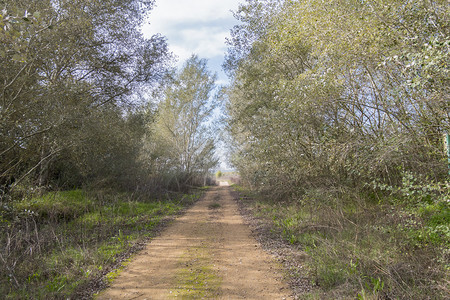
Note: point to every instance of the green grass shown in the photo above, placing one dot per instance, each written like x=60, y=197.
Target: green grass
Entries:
x=214, y=205
x=57, y=205
x=365, y=249
x=197, y=279
x=55, y=244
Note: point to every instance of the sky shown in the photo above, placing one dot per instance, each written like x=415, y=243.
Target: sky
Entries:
x=195, y=27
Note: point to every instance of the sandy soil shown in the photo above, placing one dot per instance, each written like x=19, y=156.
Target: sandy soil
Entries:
x=208, y=253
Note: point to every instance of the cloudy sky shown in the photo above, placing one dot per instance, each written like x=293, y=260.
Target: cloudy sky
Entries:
x=195, y=27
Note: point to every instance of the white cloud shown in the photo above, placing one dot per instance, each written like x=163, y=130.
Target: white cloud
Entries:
x=194, y=26
x=182, y=11
x=204, y=41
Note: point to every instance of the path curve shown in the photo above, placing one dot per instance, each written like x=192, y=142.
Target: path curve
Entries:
x=207, y=253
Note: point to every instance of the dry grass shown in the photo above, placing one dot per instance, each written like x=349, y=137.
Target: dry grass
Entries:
x=54, y=246
x=361, y=246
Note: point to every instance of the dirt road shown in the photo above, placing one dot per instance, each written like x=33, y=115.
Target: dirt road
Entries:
x=208, y=253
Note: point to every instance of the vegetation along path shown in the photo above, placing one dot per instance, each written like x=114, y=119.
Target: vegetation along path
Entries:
x=207, y=253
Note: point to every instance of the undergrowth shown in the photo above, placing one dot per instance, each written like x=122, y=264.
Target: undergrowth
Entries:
x=51, y=246
x=380, y=243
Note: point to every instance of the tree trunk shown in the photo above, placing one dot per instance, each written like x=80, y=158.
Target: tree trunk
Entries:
x=45, y=162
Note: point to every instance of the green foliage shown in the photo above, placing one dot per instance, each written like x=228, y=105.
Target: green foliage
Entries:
x=219, y=174
x=69, y=74
x=426, y=209
x=372, y=290
x=337, y=92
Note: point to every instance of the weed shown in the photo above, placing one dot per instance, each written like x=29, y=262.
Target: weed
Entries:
x=368, y=247
x=54, y=243
x=198, y=279
x=111, y=276
x=214, y=205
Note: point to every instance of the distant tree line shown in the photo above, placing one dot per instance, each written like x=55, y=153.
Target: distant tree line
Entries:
x=79, y=94
x=338, y=93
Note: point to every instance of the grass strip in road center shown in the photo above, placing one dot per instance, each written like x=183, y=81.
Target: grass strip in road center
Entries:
x=197, y=278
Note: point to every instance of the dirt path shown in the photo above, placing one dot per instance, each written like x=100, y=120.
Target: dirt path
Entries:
x=207, y=253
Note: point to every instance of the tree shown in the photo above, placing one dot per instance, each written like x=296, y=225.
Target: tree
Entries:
x=68, y=64
x=338, y=92
x=182, y=137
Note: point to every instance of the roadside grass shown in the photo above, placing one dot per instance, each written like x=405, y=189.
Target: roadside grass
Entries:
x=53, y=246
x=365, y=245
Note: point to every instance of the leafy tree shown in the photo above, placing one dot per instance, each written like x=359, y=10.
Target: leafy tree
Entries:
x=334, y=103
x=326, y=93
x=68, y=64
x=182, y=138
